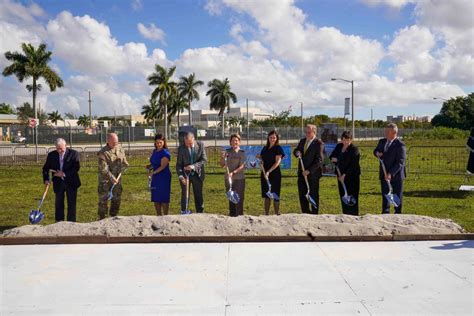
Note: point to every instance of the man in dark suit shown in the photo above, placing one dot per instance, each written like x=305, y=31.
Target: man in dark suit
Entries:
x=191, y=160
x=393, y=153
x=64, y=165
x=311, y=150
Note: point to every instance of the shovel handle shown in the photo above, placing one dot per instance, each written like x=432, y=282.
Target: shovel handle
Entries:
x=44, y=196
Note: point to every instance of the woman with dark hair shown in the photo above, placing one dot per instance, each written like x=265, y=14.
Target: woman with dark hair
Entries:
x=234, y=159
x=271, y=156
x=470, y=147
x=346, y=157
x=160, y=175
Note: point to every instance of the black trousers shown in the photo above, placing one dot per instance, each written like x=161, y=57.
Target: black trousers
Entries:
x=71, y=195
x=470, y=163
x=397, y=187
x=353, y=188
x=313, y=192
x=197, y=185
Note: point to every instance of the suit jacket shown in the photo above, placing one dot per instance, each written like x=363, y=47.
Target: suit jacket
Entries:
x=394, y=159
x=348, y=162
x=199, y=160
x=312, y=159
x=71, y=168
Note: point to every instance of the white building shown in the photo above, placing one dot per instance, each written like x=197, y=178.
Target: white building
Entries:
x=406, y=118
x=210, y=118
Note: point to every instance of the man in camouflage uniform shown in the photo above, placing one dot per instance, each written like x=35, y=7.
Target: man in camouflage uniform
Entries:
x=112, y=162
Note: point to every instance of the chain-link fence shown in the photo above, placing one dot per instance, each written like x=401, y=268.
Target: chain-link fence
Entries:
x=46, y=135
x=449, y=160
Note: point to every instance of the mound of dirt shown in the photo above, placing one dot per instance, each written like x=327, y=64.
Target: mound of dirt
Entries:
x=219, y=225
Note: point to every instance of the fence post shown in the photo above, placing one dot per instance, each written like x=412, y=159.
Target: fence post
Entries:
x=129, y=141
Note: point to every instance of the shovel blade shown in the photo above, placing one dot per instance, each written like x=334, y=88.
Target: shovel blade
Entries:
x=273, y=196
x=35, y=216
x=393, y=199
x=185, y=212
x=311, y=201
x=349, y=200
x=233, y=197
x=276, y=198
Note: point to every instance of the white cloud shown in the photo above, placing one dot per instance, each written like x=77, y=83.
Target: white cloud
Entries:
x=440, y=46
x=279, y=50
x=214, y=7
x=89, y=47
x=152, y=32
x=319, y=52
x=394, y=4
x=137, y=5
x=18, y=25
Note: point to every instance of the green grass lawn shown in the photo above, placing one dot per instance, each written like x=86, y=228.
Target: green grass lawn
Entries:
x=433, y=195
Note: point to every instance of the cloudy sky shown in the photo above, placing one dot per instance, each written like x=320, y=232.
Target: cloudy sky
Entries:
x=400, y=53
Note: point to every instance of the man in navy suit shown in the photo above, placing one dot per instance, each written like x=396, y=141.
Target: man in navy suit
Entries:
x=393, y=153
x=64, y=165
x=311, y=150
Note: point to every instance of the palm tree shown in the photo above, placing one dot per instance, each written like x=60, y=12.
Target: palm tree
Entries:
x=164, y=90
x=186, y=87
x=6, y=108
x=33, y=63
x=83, y=120
x=151, y=111
x=177, y=106
x=25, y=111
x=54, y=117
x=221, y=96
x=234, y=121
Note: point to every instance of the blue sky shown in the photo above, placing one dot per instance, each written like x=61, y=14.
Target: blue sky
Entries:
x=401, y=53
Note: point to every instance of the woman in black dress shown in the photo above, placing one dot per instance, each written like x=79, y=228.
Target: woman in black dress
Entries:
x=346, y=157
x=271, y=155
x=470, y=146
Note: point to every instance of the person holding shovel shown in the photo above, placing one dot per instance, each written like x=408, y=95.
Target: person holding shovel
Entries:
x=190, y=169
x=346, y=156
x=234, y=159
x=310, y=151
x=392, y=154
x=112, y=163
x=270, y=177
x=160, y=174
x=64, y=165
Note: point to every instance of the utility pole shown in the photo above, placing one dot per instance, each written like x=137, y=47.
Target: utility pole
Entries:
x=372, y=117
x=353, y=122
x=372, y=120
x=352, y=86
x=90, y=110
x=248, y=123
x=302, y=120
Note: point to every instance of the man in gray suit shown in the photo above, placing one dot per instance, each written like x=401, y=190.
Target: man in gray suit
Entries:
x=190, y=167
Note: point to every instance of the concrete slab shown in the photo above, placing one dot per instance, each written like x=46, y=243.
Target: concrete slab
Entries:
x=238, y=279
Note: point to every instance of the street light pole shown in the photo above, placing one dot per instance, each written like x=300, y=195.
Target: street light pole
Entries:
x=352, y=86
x=352, y=110
x=248, y=123
x=90, y=110
x=438, y=98
x=302, y=119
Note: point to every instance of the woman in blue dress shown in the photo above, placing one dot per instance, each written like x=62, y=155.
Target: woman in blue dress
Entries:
x=161, y=176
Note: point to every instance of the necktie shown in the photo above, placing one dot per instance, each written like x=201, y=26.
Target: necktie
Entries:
x=61, y=161
x=306, y=146
x=387, y=145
